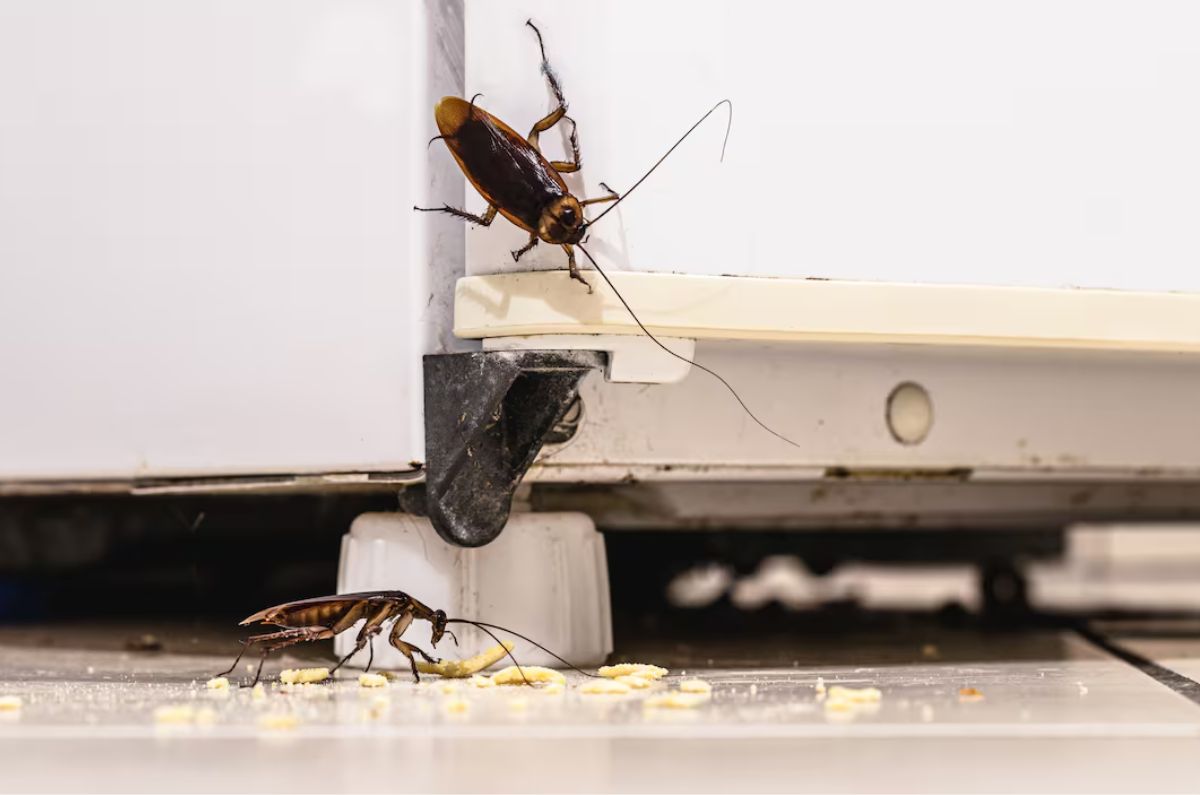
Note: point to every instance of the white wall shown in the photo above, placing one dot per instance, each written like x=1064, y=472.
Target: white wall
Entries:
x=208, y=258
x=1025, y=143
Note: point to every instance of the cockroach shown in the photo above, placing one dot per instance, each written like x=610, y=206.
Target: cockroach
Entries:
x=517, y=181
x=323, y=617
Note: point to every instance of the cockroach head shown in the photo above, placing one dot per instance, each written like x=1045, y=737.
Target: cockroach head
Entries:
x=439, y=626
x=562, y=221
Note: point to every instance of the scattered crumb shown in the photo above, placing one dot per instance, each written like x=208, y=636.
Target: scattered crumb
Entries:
x=969, y=694
x=217, y=683
x=206, y=716
x=1083, y=691
x=377, y=708
x=372, y=680
x=855, y=695
x=144, y=643
x=675, y=700
x=604, y=687
x=460, y=669
x=482, y=681
x=819, y=688
x=175, y=713
x=634, y=682
x=284, y=720
x=695, y=686
x=303, y=676
x=10, y=703
x=91, y=669
x=847, y=703
x=930, y=651
x=635, y=669
x=518, y=704
x=512, y=675
x=457, y=706
x=448, y=688
x=554, y=688
x=258, y=692
x=753, y=690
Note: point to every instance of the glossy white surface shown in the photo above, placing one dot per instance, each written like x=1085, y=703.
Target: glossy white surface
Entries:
x=1038, y=144
x=208, y=258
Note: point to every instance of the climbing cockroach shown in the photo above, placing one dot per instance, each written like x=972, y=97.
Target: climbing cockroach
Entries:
x=513, y=175
x=517, y=181
x=323, y=617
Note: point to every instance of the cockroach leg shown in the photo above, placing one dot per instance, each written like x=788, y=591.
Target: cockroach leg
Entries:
x=371, y=656
x=274, y=641
x=559, y=112
x=549, y=121
x=567, y=167
x=402, y=624
x=372, y=627
x=611, y=197
x=483, y=220
x=533, y=241
x=573, y=268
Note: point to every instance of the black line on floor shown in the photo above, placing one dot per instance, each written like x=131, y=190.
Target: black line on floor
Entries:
x=1185, y=686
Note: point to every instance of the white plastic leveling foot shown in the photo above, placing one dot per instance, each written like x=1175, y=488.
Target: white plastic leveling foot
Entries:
x=546, y=576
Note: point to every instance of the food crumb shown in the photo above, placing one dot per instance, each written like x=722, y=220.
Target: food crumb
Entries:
x=554, y=688
x=604, y=687
x=372, y=680
x=10, y=703
x=695, y=686
x=461, y=669
x=675, y=700
x=930, y=651
x=457, y=706
x=284, y=720
x=512, y=675
x=447, y=688
x=970, y=694
x=303, y=676
x=855, y=695
x=1083, y=691
x=175, y=713
x=820, y=688
x=518, y=704
x=635, y=669
x=258, y=692
x=217, y=683
x=145, y=642
x=634, y=682
x=482, y=681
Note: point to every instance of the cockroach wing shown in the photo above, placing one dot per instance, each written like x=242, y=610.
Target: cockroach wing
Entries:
x=506, y=170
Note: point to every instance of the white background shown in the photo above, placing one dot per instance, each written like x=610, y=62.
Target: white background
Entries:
x=1020, y=143
x=207, y=246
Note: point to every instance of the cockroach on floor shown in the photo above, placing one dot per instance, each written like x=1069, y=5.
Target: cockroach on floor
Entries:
x=516, y=179
x=323, y=617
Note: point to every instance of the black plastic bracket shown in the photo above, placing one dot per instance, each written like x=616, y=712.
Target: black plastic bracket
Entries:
x=486, y=416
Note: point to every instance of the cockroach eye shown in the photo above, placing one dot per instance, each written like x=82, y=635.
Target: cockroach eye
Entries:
x=568, y=216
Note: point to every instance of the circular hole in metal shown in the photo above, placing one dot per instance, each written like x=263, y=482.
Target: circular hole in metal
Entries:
x=909, y=413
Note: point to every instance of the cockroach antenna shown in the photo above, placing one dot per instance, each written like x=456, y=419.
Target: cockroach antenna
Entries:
x=484, y=627
x=682, y=138
x=625, y=303
x=681, y=357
